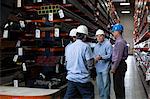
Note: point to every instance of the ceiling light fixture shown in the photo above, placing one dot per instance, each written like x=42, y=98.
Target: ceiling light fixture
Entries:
x=125, y=12
x=124, y=4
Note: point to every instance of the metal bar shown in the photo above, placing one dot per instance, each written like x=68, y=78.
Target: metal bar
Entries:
x=58, y=20
x=10, y=69
x=105, y=27
x=105, y=11
x=100, y=20
x=104, y=4
x=89, y=4
x=103, y=20
x=102, y=17
x=110, y=19
x=82, y=8
x=66, y=27
x=77, y=17
x=102, y=7
x=93, y=8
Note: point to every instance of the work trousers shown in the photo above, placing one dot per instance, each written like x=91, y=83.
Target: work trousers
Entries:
x=118, y=78
x=103, y=82
x=75, y=89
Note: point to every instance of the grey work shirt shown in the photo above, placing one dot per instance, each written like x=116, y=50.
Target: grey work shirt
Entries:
x=120, y=52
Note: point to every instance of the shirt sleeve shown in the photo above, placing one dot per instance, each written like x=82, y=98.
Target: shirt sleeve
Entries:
x=89, y=58
x=94, y=52
x=65, y=56
x=109, y=53
x=65, y=52
x=88, y=54
x=117, y=54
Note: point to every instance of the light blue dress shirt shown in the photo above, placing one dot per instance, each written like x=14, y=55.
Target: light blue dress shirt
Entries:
x=67, y=47
x=104, y=50
x=77, y=54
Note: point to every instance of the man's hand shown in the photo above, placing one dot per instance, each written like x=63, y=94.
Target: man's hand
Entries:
x=97, y=58
x=112, y=71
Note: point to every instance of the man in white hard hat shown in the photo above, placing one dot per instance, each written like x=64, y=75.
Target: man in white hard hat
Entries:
x=72, y=35
x=102, y=55
x=80, y=61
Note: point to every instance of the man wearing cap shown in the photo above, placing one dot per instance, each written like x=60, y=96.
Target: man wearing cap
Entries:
x=102, y=53
x=80, y=61
x=72, y=35
x=119, y=66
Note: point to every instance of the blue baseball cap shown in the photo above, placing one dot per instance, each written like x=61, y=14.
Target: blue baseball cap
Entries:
x=117, y=27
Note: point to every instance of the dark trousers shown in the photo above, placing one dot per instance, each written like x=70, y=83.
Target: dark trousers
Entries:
x=118, y=78
x=76, y=90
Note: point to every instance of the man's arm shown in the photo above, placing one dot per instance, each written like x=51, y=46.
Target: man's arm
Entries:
x=109, y=52
x=90, y=63
x=117, y=56
x=89, y=58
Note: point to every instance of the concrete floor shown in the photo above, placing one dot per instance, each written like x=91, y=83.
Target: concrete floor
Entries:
x=133, y=84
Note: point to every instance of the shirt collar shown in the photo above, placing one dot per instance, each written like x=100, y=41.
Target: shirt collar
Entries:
x=78, y=40
x=102, y=42
x=120, y=37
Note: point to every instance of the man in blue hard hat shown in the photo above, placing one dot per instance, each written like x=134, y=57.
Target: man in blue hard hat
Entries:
x=119, y=66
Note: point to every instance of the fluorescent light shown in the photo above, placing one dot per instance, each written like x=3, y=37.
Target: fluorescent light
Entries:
x=118, y=0
x=125, y=12
x=124, y=4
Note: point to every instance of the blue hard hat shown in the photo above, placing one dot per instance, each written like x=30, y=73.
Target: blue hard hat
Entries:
x=117, y=27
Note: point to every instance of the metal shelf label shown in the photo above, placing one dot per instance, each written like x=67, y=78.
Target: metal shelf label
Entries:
x=18, y=3
x=50, y=17
x=18, y=43
x=15, y=83
x=37, y=33
x=24, y=67
x=57, y=68
x=5, y=34
x=22, y=24
x=56, y=32
x=6, y=25
x=15, y=58
x=39, y=0
x=61, y=13
x=20, y=51
x=64, y=2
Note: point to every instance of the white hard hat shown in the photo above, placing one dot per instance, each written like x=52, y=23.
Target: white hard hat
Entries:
x=100, y=32
x=73, y=32
x=82, y=29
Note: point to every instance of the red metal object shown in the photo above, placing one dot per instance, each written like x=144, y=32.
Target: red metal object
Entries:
x=26, y=97
x=143, y=49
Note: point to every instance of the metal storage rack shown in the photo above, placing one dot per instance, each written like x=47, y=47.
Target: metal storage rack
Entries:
x=141, y=37
x=48, y=50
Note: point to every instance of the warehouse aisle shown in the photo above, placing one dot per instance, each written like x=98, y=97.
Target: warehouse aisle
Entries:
x=133, y=85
